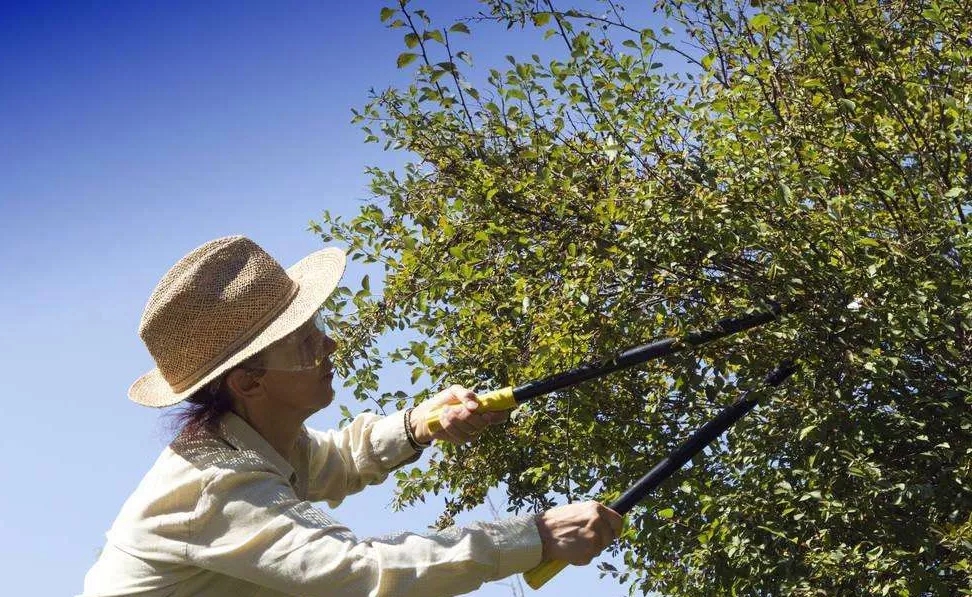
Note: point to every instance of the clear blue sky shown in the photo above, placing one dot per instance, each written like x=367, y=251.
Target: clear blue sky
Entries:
x=130, y=133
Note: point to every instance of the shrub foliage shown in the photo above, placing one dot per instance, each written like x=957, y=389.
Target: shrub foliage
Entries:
x=652, y=173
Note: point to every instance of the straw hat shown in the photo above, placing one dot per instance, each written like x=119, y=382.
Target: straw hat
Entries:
x=221, y=304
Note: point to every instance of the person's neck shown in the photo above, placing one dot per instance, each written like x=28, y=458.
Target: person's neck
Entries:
x=281, y=429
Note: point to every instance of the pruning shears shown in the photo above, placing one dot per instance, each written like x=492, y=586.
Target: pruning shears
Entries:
x=511, y=397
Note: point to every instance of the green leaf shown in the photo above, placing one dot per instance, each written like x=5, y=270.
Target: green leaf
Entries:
x=411, y=40
x=760, y=21
x=459, y=28
x=406, y=58
x=666, y=513
x=433, y=34
x=386, y=13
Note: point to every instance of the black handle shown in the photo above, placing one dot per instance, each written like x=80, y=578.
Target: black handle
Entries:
x=693, y=445
x=641, y=354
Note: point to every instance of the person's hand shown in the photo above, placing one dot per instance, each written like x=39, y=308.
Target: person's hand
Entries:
x=461, y=420
x=576, y=533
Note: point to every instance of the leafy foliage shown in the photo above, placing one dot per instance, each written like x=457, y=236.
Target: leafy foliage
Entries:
x=642, y=183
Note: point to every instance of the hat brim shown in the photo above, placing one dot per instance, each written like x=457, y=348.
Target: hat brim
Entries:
x=316, y=275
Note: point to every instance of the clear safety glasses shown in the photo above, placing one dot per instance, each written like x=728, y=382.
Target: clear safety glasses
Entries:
x=304, y=348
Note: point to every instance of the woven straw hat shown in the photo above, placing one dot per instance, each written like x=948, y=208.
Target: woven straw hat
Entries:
x=221, y=304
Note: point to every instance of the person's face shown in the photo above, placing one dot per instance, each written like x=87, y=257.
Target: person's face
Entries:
x=298, y=369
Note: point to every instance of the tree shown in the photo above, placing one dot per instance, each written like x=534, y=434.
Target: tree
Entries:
x=644, y=182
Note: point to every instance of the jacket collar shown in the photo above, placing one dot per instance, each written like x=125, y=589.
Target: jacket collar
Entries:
x=241, y=436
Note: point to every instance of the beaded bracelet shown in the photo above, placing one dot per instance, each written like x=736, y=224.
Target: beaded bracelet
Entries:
x=416, y=445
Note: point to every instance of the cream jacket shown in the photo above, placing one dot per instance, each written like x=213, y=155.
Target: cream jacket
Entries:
x=225, y=514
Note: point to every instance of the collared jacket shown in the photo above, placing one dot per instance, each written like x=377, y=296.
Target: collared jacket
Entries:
x=222, y=513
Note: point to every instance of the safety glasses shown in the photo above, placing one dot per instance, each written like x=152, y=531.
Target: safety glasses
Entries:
x=305, y=348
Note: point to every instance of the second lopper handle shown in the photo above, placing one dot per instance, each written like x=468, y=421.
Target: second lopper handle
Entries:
x=496, y=400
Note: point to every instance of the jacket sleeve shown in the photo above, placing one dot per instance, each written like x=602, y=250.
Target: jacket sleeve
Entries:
x=250, y=525
x=344, y=461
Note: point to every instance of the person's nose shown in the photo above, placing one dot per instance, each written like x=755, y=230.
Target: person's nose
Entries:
x=330, y=345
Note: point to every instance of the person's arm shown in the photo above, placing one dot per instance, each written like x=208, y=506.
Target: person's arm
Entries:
x=343, y=462
x=250, y=525
x=363, y=453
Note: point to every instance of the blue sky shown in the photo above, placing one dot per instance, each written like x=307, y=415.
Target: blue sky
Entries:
x=131, y=133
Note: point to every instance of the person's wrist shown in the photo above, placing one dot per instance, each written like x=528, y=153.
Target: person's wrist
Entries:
x=417, y=438
x=545, y=536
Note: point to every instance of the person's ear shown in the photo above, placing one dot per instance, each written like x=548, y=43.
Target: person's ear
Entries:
x=244, y=384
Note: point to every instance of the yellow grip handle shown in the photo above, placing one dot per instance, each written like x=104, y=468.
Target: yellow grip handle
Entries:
x=501, y=399
x=538, y=576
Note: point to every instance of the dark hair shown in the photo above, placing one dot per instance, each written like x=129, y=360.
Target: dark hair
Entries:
x=207, y=405
x=204, y=409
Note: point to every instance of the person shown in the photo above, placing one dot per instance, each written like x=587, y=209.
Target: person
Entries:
x=227, y=507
